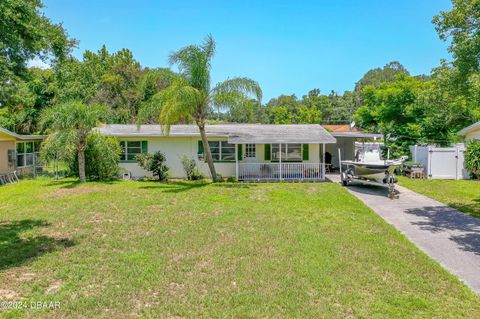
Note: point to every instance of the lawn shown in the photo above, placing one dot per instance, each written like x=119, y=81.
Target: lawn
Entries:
x=463, y=195
x=144, y=249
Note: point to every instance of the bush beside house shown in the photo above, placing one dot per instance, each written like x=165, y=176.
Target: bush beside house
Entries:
x=154, y=163
x=102, y=156
x=472, y=158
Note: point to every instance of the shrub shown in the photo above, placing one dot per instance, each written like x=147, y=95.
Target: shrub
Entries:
x=102, y=156
x=190, y=168
x=472, y=158
x=154, y=163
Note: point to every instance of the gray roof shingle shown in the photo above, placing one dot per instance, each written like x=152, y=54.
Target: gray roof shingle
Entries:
x=236, y=133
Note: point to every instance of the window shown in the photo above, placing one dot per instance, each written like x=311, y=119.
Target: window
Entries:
x=227, y=151
x=130, y=149
x=27, y=152
x=290, y=152
x=250, y=150
x=220, y=150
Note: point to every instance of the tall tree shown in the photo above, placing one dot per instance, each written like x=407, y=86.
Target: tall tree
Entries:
x=378, y=76
x=461, y=78
x=102, y=77
x=72, y=122
x=462, y=25
x=26, y=34
x=393, y=109
x=191, y=94
x=152, y=82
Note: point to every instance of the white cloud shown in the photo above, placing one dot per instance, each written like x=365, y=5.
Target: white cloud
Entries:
x=37, y=63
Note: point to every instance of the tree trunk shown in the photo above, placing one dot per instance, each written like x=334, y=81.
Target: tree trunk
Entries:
x=81, y=165
x=208, y=155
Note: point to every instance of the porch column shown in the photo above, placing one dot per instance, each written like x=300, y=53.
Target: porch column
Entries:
x=280, y=161
x=236, y=160
x=323, y=161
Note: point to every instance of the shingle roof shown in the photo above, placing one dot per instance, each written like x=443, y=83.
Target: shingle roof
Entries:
x=236, y=133
x=469, y=128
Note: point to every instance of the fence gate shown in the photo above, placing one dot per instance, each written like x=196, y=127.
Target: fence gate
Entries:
x=446, y=162
x=441, y=162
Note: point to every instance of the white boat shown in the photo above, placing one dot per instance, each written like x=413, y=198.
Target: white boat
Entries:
x=369, y=168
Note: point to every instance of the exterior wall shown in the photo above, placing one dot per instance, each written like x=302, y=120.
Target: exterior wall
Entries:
x=347, y=149
x=474, y=134
x=175, y=147
x=4, y=147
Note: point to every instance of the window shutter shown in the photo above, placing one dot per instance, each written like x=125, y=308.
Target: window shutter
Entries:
x=267, y=152
x=144, y=147
x=305, y=152
x=200, y=149
x=240, y=149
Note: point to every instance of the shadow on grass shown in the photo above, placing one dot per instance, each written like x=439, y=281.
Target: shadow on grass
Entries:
x=72, y=183
x=16, y=250
x=183, y=186
x=464, y=230
x=175, y=187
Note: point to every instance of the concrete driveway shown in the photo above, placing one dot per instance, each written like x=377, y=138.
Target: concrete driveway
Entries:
x=450, y=237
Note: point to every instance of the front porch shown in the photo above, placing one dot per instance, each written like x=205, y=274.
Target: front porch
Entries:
x=270, y=172
x=296, y=162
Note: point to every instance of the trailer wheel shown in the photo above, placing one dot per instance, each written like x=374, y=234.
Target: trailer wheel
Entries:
x=344, y=179
x=391, y=188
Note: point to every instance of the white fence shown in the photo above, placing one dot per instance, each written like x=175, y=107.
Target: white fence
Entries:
x=277, y=171
x=441, y=162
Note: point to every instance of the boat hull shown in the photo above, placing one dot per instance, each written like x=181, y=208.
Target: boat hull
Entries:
x=371, y=171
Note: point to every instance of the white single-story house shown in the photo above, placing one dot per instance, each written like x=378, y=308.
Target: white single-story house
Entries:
x=249, y=152
x=471, y=132
x=18, y=152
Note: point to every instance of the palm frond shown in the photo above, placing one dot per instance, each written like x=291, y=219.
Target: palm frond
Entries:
x=193, y=62
x=179, y=101
x=209, y=47
x=234, y=91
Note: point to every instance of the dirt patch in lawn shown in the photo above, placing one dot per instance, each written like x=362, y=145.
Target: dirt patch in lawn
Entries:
x=6, y=294
x=54, y=287
x=62, y=192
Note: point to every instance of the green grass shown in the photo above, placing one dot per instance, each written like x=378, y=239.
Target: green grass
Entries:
x=145, y=249
x=463, y=195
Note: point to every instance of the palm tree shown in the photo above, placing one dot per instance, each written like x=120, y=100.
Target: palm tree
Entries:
x=71, y=123
x=191, y=97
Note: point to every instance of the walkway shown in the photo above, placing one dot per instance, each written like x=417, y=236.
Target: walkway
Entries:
x=450, y=237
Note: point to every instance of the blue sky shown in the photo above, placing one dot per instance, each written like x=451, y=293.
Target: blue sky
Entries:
x=289, y=47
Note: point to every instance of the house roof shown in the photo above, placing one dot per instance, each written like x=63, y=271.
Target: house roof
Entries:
x=341, y=128
x=345, y=130
x=236, y=133
x=20, y=136
x=466, y=130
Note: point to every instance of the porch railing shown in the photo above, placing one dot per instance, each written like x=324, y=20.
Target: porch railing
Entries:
x=277, y=171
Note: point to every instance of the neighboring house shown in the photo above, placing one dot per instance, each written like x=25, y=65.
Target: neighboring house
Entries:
x=346, y=137
x=253, y=152
x=18, y=152
x=471, y=132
